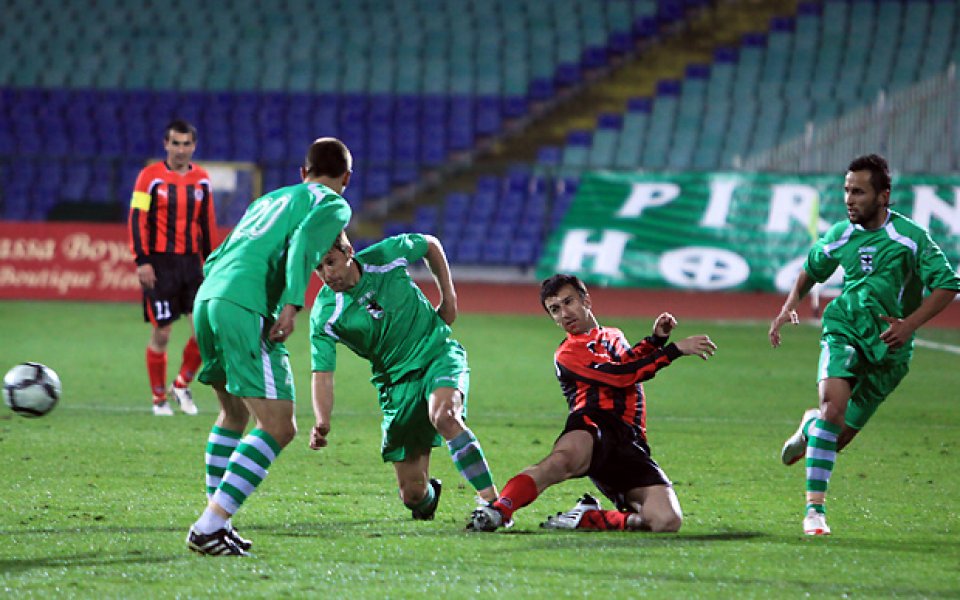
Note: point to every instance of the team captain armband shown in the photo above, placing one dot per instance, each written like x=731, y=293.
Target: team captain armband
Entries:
x=140, y=201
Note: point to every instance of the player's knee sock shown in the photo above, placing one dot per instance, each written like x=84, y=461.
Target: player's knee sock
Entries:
x=220, y=445
x=190, y=363
x=246, y=470
x=520, y=491
x=425, y=503
x=821, y=456
x=157, y=373
x=603, y=520
x=468, y=458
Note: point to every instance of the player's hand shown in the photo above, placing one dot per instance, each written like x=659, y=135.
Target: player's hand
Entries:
x=778, y=322
x=664, y=325
x=701, y=345
x=283, y=326
x=147, y=276
x=318, y=436
x=897, y=334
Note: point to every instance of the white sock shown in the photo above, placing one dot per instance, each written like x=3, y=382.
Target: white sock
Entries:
x=209, y=522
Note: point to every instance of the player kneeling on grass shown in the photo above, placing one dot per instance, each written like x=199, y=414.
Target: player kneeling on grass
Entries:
x=605, y=436
x=370, y=304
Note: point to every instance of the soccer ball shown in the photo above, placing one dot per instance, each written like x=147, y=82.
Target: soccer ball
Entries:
x=31, y=389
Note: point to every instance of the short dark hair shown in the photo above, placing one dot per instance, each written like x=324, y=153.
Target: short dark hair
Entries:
x=552, y=285
x=327, y=157
x=879, y=170
x=180, y=126
x=342, y=242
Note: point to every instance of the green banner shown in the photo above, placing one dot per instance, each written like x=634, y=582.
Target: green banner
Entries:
x=720, y=231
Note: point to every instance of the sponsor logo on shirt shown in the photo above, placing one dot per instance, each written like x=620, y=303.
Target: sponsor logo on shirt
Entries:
x=866, y=258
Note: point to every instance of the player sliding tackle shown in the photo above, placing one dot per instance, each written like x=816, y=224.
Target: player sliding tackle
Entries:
x=600, y=374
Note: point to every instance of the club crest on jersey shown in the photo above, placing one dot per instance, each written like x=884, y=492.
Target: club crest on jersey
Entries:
x=198, y=195
x=368, y=302
x=866, y=258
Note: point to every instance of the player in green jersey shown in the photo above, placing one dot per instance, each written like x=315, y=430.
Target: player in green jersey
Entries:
x=371, y=305
x=867, y=338
x=254, y=285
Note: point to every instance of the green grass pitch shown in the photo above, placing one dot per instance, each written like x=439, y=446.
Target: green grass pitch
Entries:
x=96, y=498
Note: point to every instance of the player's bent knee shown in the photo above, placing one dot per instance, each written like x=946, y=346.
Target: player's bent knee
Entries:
x=666, y=523
x=283, y=434
x=447, y=422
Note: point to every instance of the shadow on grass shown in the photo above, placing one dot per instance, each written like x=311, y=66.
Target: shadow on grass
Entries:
x=20, y=565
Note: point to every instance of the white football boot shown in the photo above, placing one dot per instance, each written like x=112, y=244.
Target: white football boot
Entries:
x=571, y=519
x=815, y=523
x=796, y=445
x=162, y=409
x=184, y=399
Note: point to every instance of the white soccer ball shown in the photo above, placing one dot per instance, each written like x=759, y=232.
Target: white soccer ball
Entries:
x=31, y=389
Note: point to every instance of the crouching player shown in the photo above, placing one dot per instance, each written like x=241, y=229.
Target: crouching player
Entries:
x=371, y=305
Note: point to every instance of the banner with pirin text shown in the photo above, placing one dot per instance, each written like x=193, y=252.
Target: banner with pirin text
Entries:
x=721, y=231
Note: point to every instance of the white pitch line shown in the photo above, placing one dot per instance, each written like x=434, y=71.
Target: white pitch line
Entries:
x=937, y=346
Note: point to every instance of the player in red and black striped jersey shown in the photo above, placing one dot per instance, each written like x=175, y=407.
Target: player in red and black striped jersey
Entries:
x=172, y=224
x=600, y=374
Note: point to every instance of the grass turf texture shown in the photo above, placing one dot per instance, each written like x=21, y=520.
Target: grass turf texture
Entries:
x=97, y=496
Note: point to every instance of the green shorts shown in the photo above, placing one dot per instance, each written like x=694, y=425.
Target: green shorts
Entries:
x=406, y=424
x=235, y=350
x=872, y=383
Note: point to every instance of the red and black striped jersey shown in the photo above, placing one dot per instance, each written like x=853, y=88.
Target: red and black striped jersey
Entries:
x=600, y=370
x=171, y=213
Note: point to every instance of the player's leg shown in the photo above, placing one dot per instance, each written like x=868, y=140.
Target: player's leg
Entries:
x=570, y=457
x=224, y=437
x=657, y=509
x=221, y=443
x=191, y=275
x=246, y=469
x=821, y=455
x=447, y=383
x=838, y=370
x=156, y=359
x=418, y=491
x=265, y=382
x=874, y=384
x=625, y=473
x=158, y=311
x=445, y=410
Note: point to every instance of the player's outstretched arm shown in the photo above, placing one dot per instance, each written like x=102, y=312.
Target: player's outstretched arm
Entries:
x=321, y=391
x=436, y=260
x=788, y=313
x=701, y=345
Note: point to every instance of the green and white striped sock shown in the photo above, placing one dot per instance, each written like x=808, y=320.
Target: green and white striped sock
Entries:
x=220, y=445
x=246, y=470
x=468, y=458
x=821, y=454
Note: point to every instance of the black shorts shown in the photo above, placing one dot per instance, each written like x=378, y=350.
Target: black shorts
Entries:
x=621, y=457
x=178, y=278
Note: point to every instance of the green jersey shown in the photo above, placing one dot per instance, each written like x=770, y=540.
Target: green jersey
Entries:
x=267, y=259
x=885, y=272
x=384, y=318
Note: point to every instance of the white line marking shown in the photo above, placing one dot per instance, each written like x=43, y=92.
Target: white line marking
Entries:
x=937, y=346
